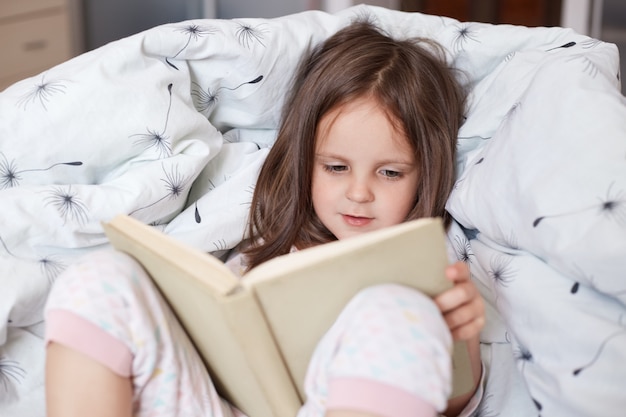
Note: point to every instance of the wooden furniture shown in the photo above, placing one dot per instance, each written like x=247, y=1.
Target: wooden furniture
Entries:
x=36, y=35
x=518, y=12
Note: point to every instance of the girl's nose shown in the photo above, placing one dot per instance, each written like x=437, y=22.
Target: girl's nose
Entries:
x=359, y=191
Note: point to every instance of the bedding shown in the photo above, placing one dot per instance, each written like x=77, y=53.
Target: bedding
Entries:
x=171, y=126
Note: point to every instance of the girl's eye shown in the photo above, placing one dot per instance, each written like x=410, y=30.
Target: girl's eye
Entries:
x=390, y=174
x=335, y=168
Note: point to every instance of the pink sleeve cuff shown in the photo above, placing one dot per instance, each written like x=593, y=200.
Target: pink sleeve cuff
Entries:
x=73, y=331
x=374, y=397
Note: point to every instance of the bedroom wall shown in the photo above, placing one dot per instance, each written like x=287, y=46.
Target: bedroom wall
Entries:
x=614, y=30
x=105, y=21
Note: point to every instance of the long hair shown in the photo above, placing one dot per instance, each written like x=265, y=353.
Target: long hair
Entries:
x=413, y=84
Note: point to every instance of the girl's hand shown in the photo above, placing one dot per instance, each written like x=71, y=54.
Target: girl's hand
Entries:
x=461, y=306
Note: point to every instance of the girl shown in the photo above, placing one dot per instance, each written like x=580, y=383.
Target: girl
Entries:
x=367, y=141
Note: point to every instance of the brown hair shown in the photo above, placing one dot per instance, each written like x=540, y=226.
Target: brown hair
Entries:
x=409, y=79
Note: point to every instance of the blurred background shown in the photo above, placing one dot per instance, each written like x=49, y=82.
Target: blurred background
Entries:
x=38, y=34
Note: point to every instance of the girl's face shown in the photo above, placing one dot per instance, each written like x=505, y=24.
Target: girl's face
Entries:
x=365, y=176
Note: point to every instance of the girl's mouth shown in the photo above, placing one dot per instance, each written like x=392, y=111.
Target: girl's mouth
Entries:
x=356, y=220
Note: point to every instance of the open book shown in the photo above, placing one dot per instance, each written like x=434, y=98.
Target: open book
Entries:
x=257, y=334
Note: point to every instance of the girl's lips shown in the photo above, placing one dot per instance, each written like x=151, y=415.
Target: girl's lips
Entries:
x=356, y=221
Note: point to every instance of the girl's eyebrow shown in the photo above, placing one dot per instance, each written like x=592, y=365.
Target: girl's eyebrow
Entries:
x=323, y=155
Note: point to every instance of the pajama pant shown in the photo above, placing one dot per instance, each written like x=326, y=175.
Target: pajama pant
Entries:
x=388, y=353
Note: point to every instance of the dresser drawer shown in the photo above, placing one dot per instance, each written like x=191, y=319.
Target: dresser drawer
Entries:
x=12, y=8
x=30, y=46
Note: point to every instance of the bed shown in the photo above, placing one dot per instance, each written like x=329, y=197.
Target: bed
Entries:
x=171, y=126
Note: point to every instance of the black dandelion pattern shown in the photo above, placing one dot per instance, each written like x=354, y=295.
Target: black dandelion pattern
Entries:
x=205, y=100
x=42, y=93
x=509, y=57
x=509, y=241
x=248, y=35
x=250, y=191
x=590, y=43
x=10, y=373
x=196, y=213
x=175, y=185
x=68, y=205
x=500, y=270
x=51, y=267
x=523, y=355
x=589, y=67
x=515, y=108
x=463, y=249
x=193, y=32
x=10, y=176
x=156, y=139
x=612, y=206
x=220, y=244
x=599, y=351
x=564, y=46
x=465, y=32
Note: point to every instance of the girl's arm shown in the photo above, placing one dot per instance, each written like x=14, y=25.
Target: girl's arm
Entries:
x=463, y=309
x=77, y=385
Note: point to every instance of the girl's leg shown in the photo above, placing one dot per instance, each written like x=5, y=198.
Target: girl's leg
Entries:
x=388, y=354
x=112, y=337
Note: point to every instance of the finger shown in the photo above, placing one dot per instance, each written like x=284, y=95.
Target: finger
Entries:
x=469, y=330
x=457, y=272
x=458, y=295
x=464, y=314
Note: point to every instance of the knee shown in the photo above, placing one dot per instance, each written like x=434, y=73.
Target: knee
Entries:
x=396, y=296
x=101, y=270
x=398, y=308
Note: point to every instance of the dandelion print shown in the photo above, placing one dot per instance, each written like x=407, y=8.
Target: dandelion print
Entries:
x=523, y=355
x=196, y=213
x=465, y=33
x=205, y=100
x=175, y=185
x=564, y=46
x=10, y=176
x=509, y=241
x=510, y=56
x=463, y=249
x=513, y=110
x=612, y=206
x=590, y=68
x=51, y=268
x=590, y=43
x=500, y=270
x=598, y=353
x=193, y=32
x=220, y=245
x=42, y=93
x=250, y=191
x=156, y=139
x=10, y=372
x=67, y=204
x=247, y=35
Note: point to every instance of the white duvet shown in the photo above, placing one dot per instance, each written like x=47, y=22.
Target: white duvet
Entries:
x=172, y=124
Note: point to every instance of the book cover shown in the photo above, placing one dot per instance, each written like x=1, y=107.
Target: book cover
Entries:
x=257, y=333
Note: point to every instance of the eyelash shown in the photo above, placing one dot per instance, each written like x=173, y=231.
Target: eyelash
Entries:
x=334, y=168
x=387, y=173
